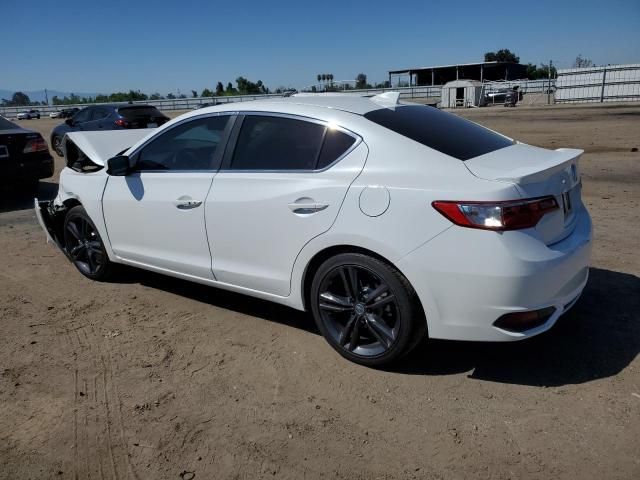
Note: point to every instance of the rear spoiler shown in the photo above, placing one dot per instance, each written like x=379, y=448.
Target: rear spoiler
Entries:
x=98, y=147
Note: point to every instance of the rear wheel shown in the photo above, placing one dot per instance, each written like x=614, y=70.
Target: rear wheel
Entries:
x=84, y=245
x=366, y=309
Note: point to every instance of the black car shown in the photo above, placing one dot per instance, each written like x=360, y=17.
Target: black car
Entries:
x=68, y=112
x=24, y=155
x=108, y=117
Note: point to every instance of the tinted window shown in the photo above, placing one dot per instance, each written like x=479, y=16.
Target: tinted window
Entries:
x=99, y=114
x=142, y=112
x=277, y=143
x=439, y=130
x=190, y=146
x=335, y=144
x=83, y=115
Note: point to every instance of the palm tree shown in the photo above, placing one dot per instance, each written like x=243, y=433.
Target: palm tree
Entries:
x=319, y=78
x=330, y=78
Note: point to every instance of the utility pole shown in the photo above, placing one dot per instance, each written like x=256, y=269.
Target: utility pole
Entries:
x=549, y=83
x=46, y=96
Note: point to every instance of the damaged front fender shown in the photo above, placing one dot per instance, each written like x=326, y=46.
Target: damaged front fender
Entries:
x=51, y=219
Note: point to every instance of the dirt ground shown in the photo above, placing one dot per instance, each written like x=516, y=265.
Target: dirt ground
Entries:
x=156, y=378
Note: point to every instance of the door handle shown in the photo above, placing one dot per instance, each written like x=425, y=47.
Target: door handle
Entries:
x=187, y=203
x=306, y=206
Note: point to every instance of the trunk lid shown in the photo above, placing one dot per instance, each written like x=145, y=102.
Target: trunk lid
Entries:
x=538, y=172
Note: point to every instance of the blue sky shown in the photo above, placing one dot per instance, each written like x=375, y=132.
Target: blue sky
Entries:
x=104, y=46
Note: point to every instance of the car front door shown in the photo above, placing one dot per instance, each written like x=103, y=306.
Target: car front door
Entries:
x=282, y=185
x=155, y=215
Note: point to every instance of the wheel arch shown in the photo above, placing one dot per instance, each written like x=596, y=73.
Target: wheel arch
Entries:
x=328, y=252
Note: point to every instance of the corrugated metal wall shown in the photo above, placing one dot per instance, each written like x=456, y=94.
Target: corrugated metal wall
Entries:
x=611, y=83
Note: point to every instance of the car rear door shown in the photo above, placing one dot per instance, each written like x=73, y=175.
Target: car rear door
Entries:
x=281, y=185
x=82, y=119
x=155, y=215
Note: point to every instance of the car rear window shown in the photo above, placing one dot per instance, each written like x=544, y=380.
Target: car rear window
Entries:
x=336, y=143
x=442, y=131
x=131, y=113
x=7, y=125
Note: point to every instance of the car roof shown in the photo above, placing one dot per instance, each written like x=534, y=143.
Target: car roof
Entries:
x=351, y=103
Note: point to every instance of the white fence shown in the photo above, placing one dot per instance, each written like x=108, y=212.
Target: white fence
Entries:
x=611, y=83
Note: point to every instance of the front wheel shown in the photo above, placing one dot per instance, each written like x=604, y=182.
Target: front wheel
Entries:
x=84, y=246
x=366, y=309
x=56, y=143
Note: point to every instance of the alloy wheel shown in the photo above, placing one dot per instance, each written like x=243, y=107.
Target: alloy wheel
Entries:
x=84, y=245
x=359, y=310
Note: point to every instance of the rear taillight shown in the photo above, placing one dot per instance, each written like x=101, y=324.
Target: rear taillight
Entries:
x=121, y=122
x=36, y=145
x=511, y=215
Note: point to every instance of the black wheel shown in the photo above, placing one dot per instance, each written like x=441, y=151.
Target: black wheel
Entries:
x=38, y=117
x=84, y=246
x=366, y=309
x=56, y=143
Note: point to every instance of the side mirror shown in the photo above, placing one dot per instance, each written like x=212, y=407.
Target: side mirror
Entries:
x=118, y=166
x=69, y=121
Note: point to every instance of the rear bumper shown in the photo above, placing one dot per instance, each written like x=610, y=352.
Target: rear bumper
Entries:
x=27, y=167
x=467, y=279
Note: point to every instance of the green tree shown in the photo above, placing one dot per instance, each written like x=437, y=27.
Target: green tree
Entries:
x=194, y=94
x=155, y=96
x=219, y=89
x=230, y=90
x=502, y=55
x=206, y=93
x=581, y=62
x=19, y=99
x=171, y=96
x=361, y=81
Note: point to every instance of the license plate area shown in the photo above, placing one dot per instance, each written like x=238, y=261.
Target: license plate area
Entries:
x=569, y=200
x=4, y=151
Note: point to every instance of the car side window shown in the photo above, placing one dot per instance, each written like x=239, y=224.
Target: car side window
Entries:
x=335, y=144
x=83, y=115
x=99, y=114
x=277, y=143
x=189, y=146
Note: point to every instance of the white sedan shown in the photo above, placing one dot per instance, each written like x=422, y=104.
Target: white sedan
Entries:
x=389, y=222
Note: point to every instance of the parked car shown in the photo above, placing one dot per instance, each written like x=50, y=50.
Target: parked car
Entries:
x=24, y=155
x=502, y=96
x=388, y=222
x=28, y=114
x=68, y=112
x=108, y=117
x=56, y=114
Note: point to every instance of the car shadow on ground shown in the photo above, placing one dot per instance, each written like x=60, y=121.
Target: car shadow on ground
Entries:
x=598, y=338
x=20, y=197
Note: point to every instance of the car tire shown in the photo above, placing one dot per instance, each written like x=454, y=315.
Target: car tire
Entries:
x=84, y=246
x=38, y=117
x=366, y=309
x=56, y=144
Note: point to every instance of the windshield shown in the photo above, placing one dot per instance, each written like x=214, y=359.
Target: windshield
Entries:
x=442, y=131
